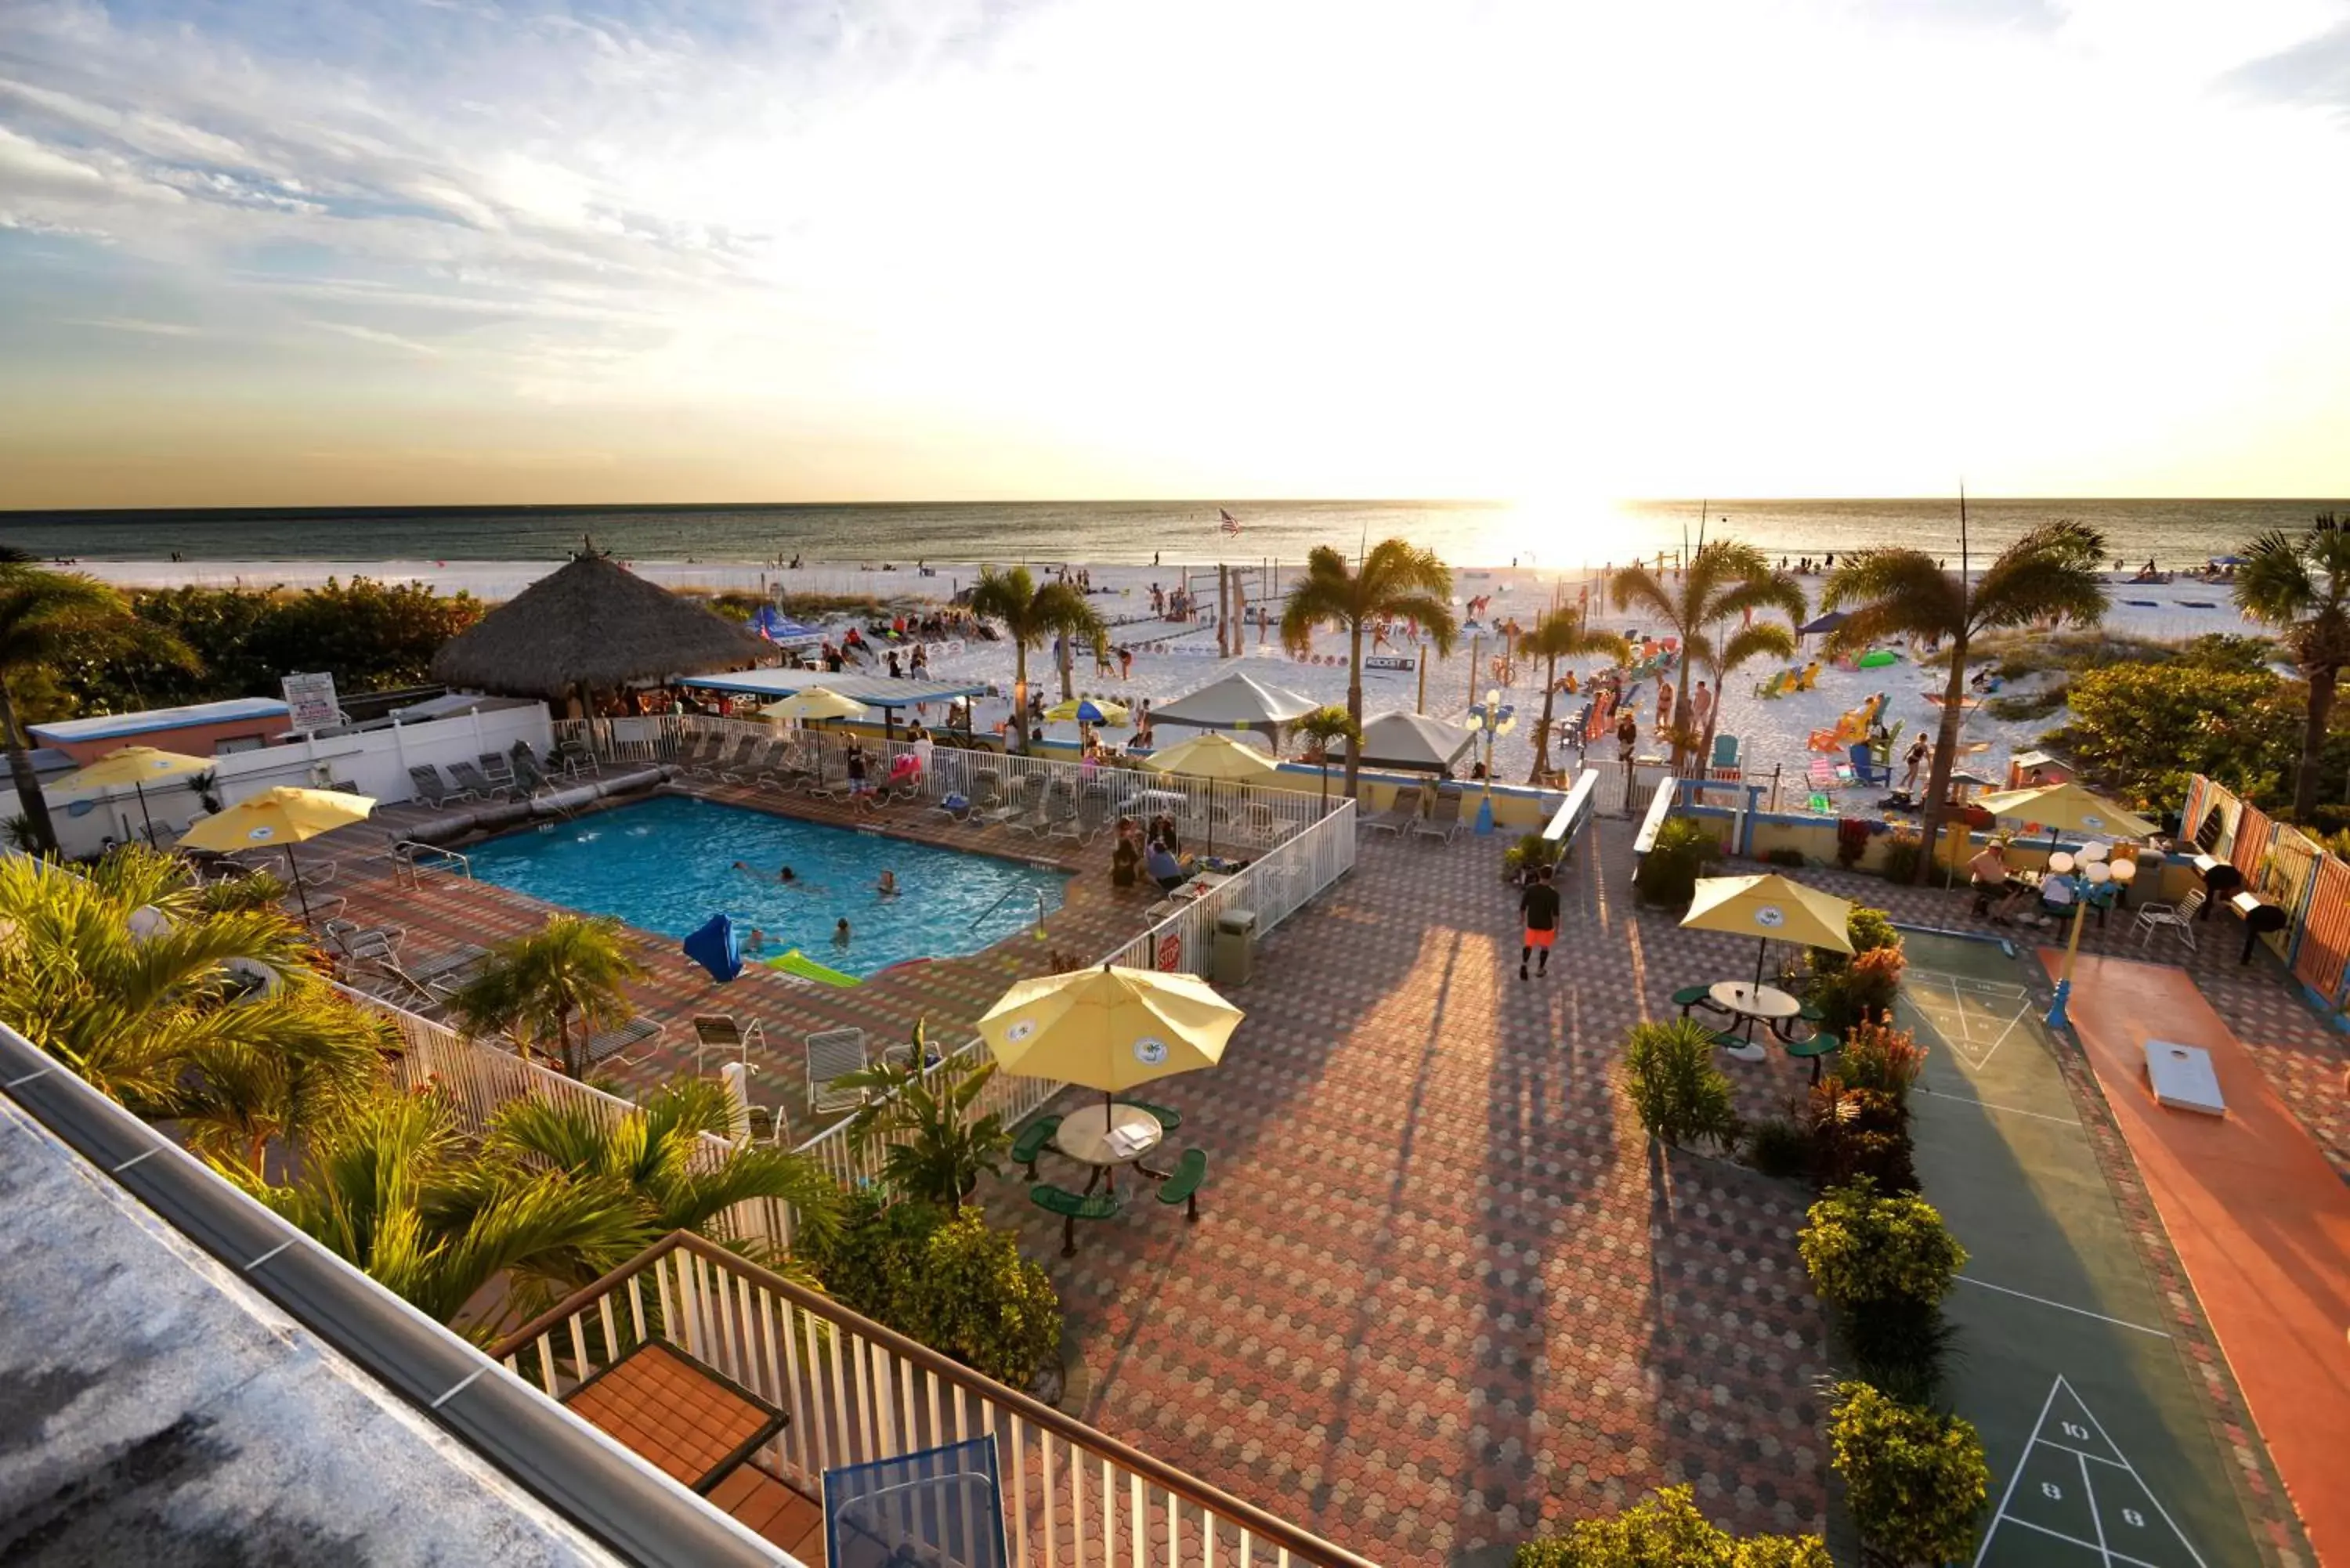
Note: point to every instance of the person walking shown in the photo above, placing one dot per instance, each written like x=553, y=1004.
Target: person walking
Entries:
x=1538, y=908
x=1921, y=751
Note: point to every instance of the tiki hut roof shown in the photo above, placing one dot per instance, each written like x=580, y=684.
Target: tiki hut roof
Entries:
x=595, y=624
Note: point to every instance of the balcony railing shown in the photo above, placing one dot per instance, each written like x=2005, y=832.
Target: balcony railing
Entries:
x=853, y=1391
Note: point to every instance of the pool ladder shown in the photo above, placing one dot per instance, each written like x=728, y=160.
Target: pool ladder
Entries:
x=1007, y=893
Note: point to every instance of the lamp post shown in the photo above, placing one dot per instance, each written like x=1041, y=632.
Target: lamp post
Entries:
x=2097, y=871
x=1491, y=718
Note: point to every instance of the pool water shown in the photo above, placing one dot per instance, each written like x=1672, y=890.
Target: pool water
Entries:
x=667, y=864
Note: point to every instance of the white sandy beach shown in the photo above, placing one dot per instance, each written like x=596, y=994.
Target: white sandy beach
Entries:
x=1774, y=732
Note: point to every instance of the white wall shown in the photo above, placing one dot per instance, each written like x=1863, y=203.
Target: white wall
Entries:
x=376, y=761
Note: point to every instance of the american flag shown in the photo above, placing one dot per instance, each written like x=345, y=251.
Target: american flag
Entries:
x=1231, y=524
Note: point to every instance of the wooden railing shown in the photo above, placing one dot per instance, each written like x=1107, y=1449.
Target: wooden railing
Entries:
x=854, y=1391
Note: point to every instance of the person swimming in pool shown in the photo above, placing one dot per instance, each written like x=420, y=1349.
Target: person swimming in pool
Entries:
x=840, y=933
x=887, y=886
x=758, y=942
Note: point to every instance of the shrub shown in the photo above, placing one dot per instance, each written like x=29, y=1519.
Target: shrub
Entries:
x=1852, y=842
x=1899, y=1347
x=1668, y=1531
x=932, y=1148
x=1916, y=1481
x=975, y=1298
x=1676, y=1090
x=2028, y=704
x=871, y=1264
x=1858, y=1133
x=1531, y=850
x=1881, y=1057
x=1859, y=991
x=1683, y=849
x=1901, y=853
x=1867, y=930
x=237, y=895
x=1778, y=1147
x=1786, y=855
x=1863, y=1246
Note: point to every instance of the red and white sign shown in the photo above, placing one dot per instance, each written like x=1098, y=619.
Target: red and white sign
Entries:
x=1170, y=952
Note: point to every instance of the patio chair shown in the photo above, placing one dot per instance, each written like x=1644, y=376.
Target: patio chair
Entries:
x=1027, y=802
x=357, y=943
x=1182, y=1184
x=1398, y=816
x=833, y=1055
x=609, y=1044
x=721, y=1031
x=725, y=763
x=1435, y=824
x=435, y=791
x=572, y=756
x=694, y=749
x=986, y=790
x=499, y=771
x=1091, y=815
x=2178, y=917
x=764, y=766
x=794, y=767
x=469, y=779
x=1059, y=805
x=1871, y=773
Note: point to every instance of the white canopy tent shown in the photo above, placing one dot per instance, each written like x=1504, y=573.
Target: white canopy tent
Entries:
x=1410, y=741
x=1233, y=700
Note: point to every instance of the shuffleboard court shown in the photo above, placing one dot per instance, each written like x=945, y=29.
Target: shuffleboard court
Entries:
x=2101, y=1451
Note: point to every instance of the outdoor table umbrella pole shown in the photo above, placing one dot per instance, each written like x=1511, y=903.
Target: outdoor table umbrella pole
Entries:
x=140, y=790
x=301, y=893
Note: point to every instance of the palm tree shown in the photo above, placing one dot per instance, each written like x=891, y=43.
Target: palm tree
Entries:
x=1396, y=580
x=1030, y=614
x=1764, y=639
x=1323, y=726
x=2050, y=572
x=2299, y=583
x=936, y=1151
x=657, y=1154
x=211, y=1017
x=47, y=617
x=533, y=987
x=1723, y=581
x=395, y=1192
x=1563, y=633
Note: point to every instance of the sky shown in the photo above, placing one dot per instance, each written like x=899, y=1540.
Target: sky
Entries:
x=413, y=252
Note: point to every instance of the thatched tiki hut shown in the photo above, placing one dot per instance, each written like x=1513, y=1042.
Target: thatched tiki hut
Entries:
x=592, y=626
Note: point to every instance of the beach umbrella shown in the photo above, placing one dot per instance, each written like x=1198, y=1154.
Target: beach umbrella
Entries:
x=280, y=819
x=1085, y=711
x=137, y=766
x=717, y=947
x=1828, y=622
x=1211, y=758
x=2065, y=808
x=1109, y=1028
x=815, y=702
x=1773, y=908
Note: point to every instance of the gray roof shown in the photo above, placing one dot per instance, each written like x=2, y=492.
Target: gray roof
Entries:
x=874, y=691
x=161, y=1411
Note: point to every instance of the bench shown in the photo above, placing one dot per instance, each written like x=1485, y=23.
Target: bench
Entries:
x=1690, y=996
x=1568, y=823
x=1660, y=807
x=1031, y=1141
x=1167, y=1120
x=1073, y=1207
x=1813, y=1049
x=1183, y=1187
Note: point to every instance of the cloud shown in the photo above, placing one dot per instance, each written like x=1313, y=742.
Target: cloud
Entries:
x=2315, y=71
x=134, y=324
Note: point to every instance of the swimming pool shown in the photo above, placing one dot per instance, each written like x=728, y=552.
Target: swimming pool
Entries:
x=667, y=864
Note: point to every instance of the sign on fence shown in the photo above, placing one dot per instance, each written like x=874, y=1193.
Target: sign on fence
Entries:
x=1170, y=952
x=1389, y=661
x=312, y=699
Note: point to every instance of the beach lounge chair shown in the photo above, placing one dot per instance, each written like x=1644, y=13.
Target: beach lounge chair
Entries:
x=357, y=943
x=609, y=1044
x=727, y=760
x=1823, y=775
x=1027, y=800
x=694, y=749
x=528, y=776
x=986, y=790
x=469, y=779
x=1092, y=814
x=1399, y=815
x=572, y=757
x=833, y=1055
x=721, y=1031
x=765, y=762
x=499, y=771
x=1774, y=687
x=1725, y=751
x=1868, y=771
x=433, y=789
x=1058, y=804
x=1436, y=823
x=429, y=986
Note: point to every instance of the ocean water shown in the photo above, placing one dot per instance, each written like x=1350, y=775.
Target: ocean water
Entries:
x=2175, y=533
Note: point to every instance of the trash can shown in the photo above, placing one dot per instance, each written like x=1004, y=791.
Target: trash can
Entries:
x=1235, y=946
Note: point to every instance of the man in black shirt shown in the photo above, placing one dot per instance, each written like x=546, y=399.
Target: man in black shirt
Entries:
x=1539, y=905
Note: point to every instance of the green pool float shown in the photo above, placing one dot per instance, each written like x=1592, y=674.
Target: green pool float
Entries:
x=1877, y=658
x=798, y=962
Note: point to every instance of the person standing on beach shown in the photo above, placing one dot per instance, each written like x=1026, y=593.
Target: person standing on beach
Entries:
x=1920, y=751
x=1700, y=705
x=1538, y=906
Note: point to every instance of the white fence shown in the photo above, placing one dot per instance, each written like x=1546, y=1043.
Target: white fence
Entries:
x=853, y=1392
x=374, y=761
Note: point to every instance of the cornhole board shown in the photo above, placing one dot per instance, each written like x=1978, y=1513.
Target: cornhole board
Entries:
x=2182, y=1077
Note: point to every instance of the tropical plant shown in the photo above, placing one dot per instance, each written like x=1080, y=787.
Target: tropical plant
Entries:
x=662, y=1154
x=1532, y=852
x=1856, y=1135
x=872, y=1259
x=1324, y=726
x=2140, y=731
x=2049, y=575
x=1915, y=1480
x=1899, y=1347
x=259, y=890
x=1725, y=657
x=1903, y=850
x=1678, y=1093
x=1724, y=580
x=44, y=615
x=1668, y=873
x=1666, y=1530
x=535, y=988
x=205, y=787
x=1777, y=1146
x=1031, y=613
x=1863, y=1245
x=119, y=972
x=933, y=1149
x=393, y=1191
x=977, y=1300
x=1860, y=989
x=1395, y=580
x=1881, y=1057
x=1867, y=929
x=2299, y=583
x=1562, y=632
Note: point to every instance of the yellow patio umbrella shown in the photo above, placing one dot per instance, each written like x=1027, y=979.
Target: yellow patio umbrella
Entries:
x=2065, y=808
x=279, y=819
x=1086, y=711
x=137, y=766
x=1109, y=1028
x=815, y=702
x=1773, y=909
x=1214, y=757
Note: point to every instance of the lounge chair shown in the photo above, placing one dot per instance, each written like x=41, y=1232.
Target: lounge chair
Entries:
x=350, y=940
x=430, y=986
x=435, y=790
x=986, y=791
x=1059, y=804
x=1774, y=687
x=766, y=764
x=573, y=758
x=609, y=1044
x=721, y=1031
x=1399, y=815
x=1091, y=815
x=1436, y=825
x=469, y=779
x=499, y=771
x=833, y=1055
x=1026, y=802
x=724, y=764
x=527, y=774
x=696, y=750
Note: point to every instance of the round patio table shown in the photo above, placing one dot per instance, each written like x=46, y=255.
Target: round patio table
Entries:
x=1751, y=1001
x=1107, y=1137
